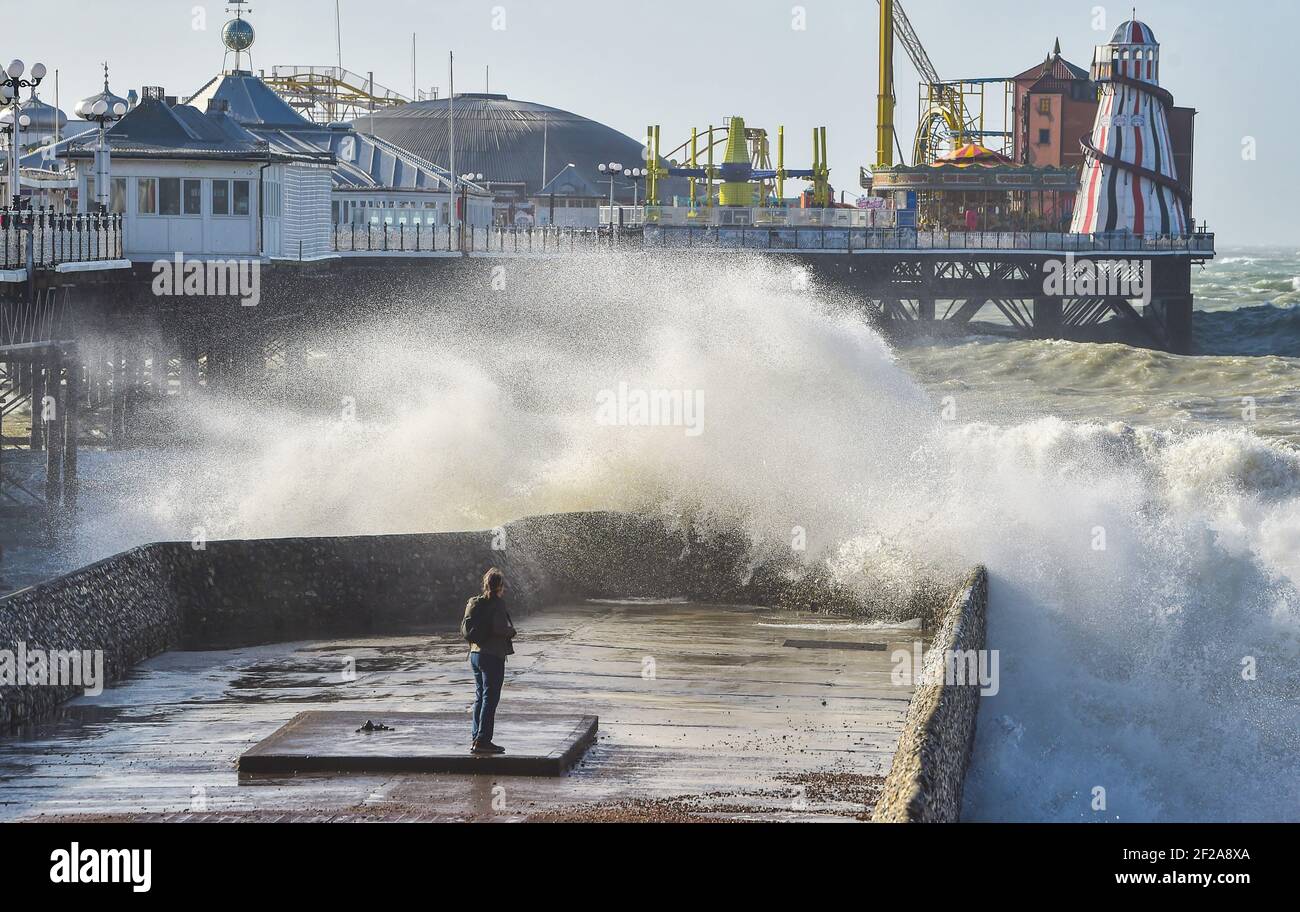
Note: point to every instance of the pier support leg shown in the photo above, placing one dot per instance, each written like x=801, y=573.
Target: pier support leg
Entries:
x=95, y=364
x=1173, y=318
x=54, y=448
x=204, y=369
x=36, y=385
x=214, y=371
x=187, y=376
x=135, y=390
x=88, y=386
x=238, y=366
x=157, y=374
x=220, y=366
x=117, y=400
x=1047, y=318
x=295, y=356
x=71, y=430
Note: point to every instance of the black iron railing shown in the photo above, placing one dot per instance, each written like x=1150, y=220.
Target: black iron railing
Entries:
x=398, y=239
x=50, y=238
x=851, y=239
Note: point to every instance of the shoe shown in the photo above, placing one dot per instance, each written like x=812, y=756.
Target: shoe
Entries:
x=477, y=748
x=487, y=747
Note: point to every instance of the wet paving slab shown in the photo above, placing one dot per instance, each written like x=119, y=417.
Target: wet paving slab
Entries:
x=704, y=713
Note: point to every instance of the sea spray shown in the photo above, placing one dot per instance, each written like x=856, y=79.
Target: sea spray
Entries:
x=1133, y=570
x=1136, y=576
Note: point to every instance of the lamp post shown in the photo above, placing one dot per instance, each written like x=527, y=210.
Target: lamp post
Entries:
x=636, y=175
x=465, y=180
x=611, y=170
x=10, y=87
x=102, y=110
x=12, y=153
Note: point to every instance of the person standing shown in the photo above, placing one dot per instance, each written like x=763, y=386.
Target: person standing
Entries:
x=489, y=630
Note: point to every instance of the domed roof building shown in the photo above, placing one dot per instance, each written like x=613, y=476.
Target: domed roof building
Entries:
x=113, y=105
x=1133, y=32
x=43, y=120
x=507, y=140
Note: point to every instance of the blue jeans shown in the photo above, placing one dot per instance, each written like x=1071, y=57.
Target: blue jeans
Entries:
x=489, y=676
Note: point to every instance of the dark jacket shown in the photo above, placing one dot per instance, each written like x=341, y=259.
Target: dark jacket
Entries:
x=491, y=620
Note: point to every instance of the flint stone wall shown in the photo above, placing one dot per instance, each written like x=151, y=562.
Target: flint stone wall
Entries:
x=929, y=770
x=124, y=605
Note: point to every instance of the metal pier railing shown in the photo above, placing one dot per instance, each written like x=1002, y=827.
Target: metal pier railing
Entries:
x=52, y=238
x=441, y=239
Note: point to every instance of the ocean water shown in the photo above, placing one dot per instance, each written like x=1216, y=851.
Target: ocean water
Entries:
x=1139, y=513
x=1245, y=372
x=1129, y=697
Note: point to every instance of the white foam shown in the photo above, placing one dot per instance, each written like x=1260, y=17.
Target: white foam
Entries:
x=1119, y=668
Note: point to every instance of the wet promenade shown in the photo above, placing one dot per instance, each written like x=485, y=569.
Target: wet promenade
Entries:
x=704, y=713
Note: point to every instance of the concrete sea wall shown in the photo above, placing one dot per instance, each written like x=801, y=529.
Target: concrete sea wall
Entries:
x=929, y=770
x=231, y=593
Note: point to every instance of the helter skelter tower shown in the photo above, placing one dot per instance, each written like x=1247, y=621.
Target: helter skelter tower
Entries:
x=1130, y=183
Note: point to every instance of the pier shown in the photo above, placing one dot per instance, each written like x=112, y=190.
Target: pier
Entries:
x=85, y=337
x=1017, y=226
x=45, y=259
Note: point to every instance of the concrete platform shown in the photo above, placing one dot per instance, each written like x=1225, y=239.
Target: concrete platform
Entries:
x=704, y=714
x=329, y=741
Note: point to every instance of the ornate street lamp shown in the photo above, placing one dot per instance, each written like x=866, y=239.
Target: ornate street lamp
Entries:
x=10, y=87
x=635, y=175
x=611, y=170
x=102, y=109
x=465, y=180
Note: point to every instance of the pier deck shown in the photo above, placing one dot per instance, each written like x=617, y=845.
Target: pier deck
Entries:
x=704, y=712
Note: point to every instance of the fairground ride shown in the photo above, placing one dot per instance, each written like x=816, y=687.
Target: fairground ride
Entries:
x=746, y=176
x=951, y=113
x=331, y=94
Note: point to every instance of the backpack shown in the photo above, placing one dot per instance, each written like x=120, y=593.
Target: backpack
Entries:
x=470, y=624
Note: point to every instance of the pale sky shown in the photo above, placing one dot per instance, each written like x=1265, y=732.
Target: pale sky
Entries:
x=681, y=63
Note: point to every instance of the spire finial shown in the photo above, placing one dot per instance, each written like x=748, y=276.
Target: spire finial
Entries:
x=105, y=75
x=1057, y=49
x=237, y=34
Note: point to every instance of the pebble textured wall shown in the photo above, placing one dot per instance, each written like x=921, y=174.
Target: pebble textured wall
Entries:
x=125, y=606
x=929, y=769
